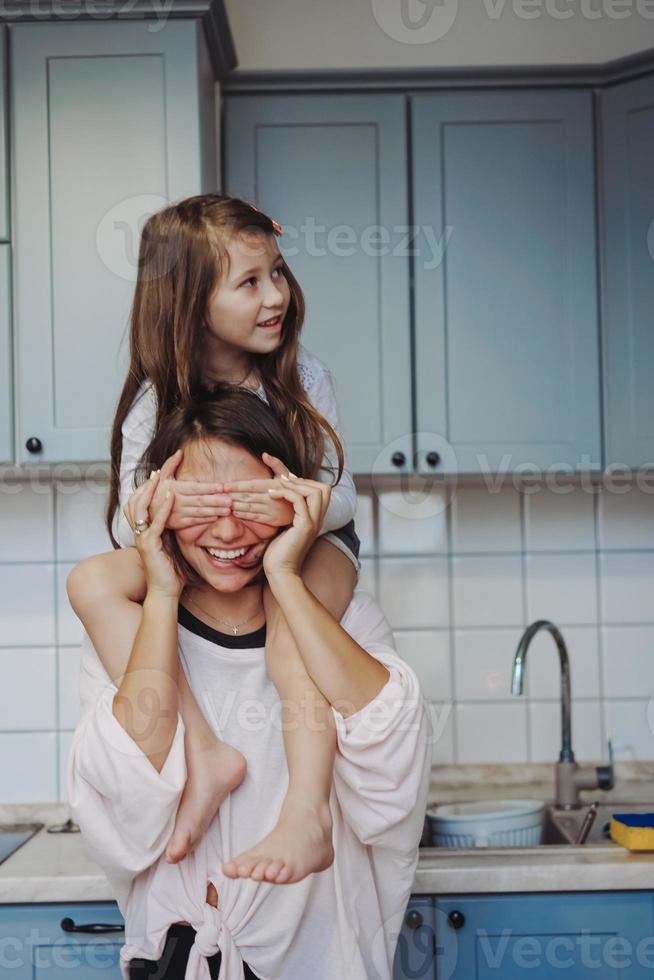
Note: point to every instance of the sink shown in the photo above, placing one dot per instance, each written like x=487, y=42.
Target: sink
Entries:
x=14, y=835
x=568, y=822
x=561, y=827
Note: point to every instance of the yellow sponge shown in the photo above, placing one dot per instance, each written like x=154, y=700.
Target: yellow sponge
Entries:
x=635, y=831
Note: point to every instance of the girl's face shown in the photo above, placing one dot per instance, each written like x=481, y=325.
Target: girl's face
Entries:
x=210, y=548
x=253, y=290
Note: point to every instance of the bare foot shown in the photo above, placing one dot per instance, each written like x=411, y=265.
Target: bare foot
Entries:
x=212, y=773
x=300, y=844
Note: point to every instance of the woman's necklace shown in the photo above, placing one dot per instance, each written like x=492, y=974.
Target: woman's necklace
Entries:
x=234, y=627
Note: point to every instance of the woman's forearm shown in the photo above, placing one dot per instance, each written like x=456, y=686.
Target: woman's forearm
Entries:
x=346, y=675
x=146, y=703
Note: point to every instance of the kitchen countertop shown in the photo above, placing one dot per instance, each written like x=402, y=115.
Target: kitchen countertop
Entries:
x=58, y=867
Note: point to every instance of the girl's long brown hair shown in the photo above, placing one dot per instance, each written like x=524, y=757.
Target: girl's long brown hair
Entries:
x=182, y=255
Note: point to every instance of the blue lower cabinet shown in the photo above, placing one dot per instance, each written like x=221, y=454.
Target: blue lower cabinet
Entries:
x=60, y=942
x=603, y=935
x=414, y=955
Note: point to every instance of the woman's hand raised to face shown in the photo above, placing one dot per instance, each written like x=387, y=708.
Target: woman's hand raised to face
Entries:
x=160, y=571
x=310, y=500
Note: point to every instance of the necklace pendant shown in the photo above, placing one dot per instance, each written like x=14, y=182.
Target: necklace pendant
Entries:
x=235, y=629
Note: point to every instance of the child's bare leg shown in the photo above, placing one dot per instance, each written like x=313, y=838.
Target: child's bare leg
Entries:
x=115, y=581
x=213, y=770
x=301, y=842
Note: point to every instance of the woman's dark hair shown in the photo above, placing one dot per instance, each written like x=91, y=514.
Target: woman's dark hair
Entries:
x=183, y=255
x=233, y=415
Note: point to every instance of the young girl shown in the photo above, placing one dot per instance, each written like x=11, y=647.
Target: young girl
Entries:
x=216, y=302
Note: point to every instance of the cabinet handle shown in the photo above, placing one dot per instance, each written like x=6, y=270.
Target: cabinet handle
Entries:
x=433, y=458
x=456, y=919
x=398, y=459
x=68, y=925
x=33, y=445
x=414, y=919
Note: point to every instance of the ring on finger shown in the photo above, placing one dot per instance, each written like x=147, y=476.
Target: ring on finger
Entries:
x=141, y=523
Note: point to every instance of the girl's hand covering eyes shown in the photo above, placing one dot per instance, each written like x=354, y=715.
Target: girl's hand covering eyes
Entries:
x=252, y=502
x=194, y=502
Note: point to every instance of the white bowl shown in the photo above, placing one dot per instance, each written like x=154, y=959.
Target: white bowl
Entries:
x=487, y=823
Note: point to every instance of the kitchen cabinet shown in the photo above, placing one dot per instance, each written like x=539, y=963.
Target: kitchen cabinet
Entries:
x=597, y=935
x=332, y=169
x=415, y=954
x=6, y=379
x=110, y=122
x=36, y=945
x=506, y=321
x=4, y=180
x=628, y=270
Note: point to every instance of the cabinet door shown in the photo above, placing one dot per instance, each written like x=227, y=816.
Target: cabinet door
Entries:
x=505, y=275
x=6, y=373
x=4, y=178
x=106, y=130
x=333, y=171
x=36, y=947
x=628, y=253
x=603, y=936
x=415, y=952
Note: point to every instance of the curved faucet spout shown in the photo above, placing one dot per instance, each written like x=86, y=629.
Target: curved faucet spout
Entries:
x=517, y=679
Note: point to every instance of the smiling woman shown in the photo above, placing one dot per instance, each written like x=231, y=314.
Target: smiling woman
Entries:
x=127, y=768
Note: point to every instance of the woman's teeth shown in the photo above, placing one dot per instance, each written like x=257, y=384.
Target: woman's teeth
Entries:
x=224, y=555
x=269, y=323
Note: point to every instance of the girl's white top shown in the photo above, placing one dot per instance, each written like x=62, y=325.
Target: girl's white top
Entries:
x=339, y=923
x=316, y=379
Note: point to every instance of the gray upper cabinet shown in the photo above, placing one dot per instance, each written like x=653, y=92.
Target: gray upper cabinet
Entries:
x=628, y=269
x=106, y=128
x=6, y=381
x=507, y=362
x=333, y=171
x=4, y=180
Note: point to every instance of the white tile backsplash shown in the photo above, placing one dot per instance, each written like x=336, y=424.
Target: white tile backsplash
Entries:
x=27, y=605
x=414, y=591
x=428, y=652
x=28, y=699
x=458, y=585
x=628, y=661
x=80, y=521
x=557, y=521
x=28, y=763
x=562, y=588
x=626, y=520
x=588, y=744
x=487, y=590
x=494, y=732
x=483, y=659
x=627, y=586
x=26, y=522
x=413, y=522
x=483, y=521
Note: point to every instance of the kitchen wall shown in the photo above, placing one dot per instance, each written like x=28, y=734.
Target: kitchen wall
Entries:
x=300, y=34
x=458, y=574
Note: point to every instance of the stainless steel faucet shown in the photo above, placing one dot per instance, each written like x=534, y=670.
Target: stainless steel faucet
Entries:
x=570, y=779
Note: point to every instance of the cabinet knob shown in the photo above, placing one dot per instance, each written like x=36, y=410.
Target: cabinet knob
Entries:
x=398, y=459
x=456, y=919
x=433, y=458
x=34, y=445
x=414, y=919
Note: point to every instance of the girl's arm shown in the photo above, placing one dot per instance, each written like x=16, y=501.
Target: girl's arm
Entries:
x=343, y=501
x=137, y=430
